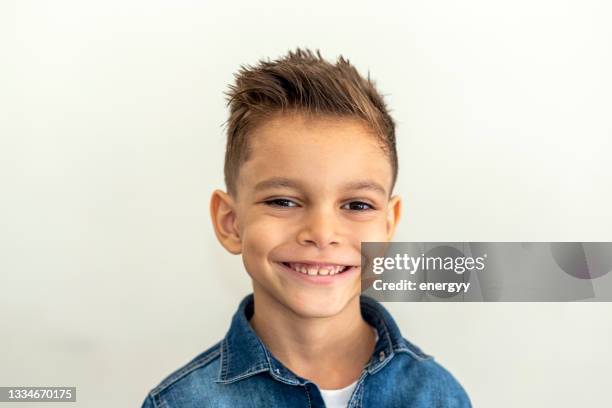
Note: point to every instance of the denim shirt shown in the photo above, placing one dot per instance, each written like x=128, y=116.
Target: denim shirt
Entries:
x=240, y=372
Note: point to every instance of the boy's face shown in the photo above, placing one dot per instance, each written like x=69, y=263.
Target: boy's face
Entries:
x=310, y=193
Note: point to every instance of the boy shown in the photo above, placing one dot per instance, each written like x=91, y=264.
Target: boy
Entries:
x=310, y=167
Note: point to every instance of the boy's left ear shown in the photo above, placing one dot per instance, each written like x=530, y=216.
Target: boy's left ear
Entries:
x=394, y=212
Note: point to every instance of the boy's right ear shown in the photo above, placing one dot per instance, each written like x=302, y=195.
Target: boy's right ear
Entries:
x=224, y=219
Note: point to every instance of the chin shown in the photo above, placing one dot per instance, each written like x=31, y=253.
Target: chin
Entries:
x=317, y=306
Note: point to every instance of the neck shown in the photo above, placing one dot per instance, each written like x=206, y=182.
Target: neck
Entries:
x=331, y=351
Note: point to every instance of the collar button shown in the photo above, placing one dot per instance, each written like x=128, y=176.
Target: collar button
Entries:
x=381, y=356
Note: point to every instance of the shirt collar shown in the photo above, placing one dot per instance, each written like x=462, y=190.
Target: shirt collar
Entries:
x=243, y=354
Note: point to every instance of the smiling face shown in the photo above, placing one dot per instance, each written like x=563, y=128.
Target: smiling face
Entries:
x=309, y=194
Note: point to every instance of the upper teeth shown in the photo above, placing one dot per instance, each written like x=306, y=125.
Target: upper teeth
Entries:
x=316, y=269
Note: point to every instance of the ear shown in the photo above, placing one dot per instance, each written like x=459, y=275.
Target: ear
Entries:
x=394, y=212
x=225, y=221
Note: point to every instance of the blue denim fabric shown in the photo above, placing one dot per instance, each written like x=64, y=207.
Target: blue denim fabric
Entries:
x=239, y=372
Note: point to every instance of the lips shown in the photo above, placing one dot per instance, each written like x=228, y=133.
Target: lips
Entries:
x=312, y=269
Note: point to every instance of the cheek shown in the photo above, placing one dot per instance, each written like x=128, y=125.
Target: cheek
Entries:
x=261, y=236
x=268, y=225
x=373, y=231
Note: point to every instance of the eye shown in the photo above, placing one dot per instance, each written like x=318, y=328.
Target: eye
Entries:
x=359, y=206
x=280, y=202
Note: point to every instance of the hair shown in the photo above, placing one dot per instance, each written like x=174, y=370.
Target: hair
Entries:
x=305, y=83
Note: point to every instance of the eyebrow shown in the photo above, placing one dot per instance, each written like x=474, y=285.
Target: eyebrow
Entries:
x=283, y=182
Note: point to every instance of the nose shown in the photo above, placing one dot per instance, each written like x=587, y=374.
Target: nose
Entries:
x=320, y=228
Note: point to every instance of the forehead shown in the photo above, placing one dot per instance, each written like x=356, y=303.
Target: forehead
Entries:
x=319, y=151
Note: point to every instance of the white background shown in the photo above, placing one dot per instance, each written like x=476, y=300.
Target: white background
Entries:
x=111, y=143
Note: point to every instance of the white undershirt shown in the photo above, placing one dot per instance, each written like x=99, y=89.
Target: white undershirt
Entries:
x=339, y=398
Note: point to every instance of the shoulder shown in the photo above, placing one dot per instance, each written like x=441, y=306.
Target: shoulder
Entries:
x=423, y=371
x=202, y=369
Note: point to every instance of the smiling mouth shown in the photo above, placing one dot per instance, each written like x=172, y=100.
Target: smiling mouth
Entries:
x=313, y=270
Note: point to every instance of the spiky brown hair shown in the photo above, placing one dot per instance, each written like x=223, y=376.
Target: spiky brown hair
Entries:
x=301, y=82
